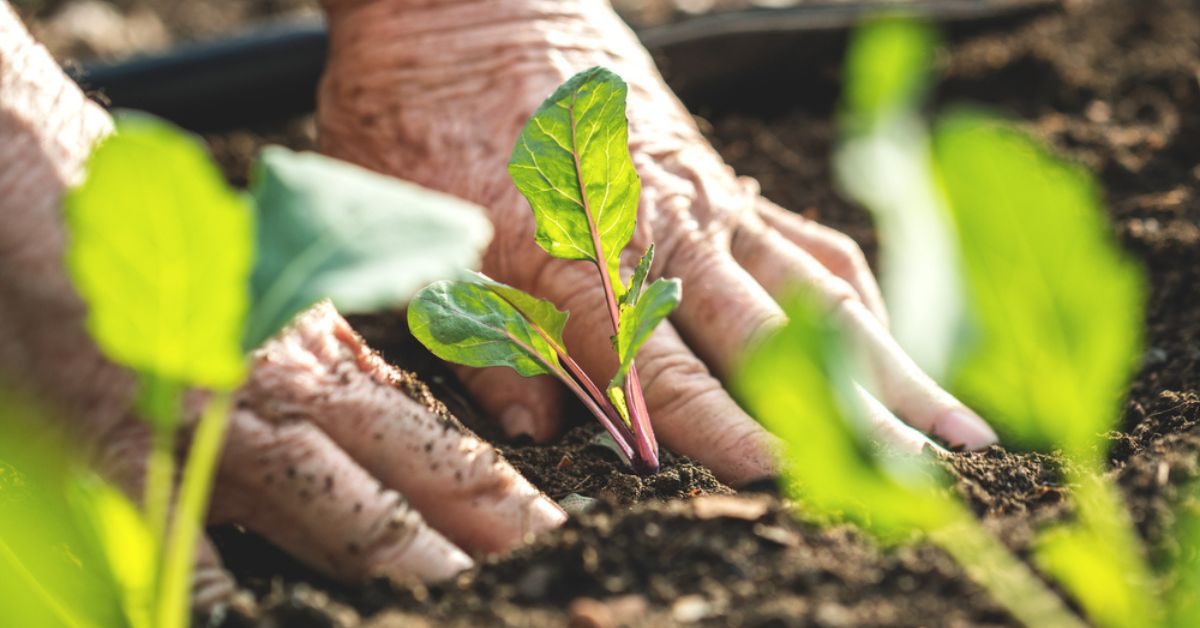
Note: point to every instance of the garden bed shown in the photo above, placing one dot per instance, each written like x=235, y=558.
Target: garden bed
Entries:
x=1111, y=84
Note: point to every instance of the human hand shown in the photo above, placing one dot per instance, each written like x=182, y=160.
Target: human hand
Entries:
x=342, y=460
x=438, y=92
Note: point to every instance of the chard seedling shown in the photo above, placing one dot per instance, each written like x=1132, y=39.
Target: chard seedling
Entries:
x=180, y=285
x=572, y=163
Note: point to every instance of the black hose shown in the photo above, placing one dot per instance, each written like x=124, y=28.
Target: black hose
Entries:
x=271, y=73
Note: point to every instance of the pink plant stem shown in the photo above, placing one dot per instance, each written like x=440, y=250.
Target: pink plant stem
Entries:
x=644, y=443
x=615, y=427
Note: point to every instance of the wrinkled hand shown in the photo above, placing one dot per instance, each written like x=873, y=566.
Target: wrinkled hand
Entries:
x=333, y=455
x=437, y=92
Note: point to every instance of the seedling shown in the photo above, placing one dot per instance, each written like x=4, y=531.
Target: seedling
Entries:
x=180, y=285
x=572, y=164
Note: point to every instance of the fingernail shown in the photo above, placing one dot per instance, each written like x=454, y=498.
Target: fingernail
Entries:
x=517, y=420
x=963, y=428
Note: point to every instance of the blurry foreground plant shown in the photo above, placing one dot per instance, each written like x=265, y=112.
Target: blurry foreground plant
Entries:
x=182, y=276
x=1017, y=244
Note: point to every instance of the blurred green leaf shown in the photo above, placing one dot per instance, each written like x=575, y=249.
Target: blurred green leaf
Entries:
x=470, y=323
x=160, y=250
x=797, y=383
x=572, y=163
x=328, y=229
x=639, y=320
x=1058, y=306
x=73, y=550
x=883, y=161
x=1097, y=557
x=888, y=70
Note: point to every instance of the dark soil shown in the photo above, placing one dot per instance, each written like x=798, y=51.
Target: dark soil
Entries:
x=1112, y=84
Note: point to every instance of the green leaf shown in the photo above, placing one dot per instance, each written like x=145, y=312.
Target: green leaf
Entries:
x=1057, y=305
x=887, y=70
x=634, y=291
x=470, y=323
x=797, y=384
x=73, y=550
x=638, y=321
x=1097, y=557
x=160, y=250
x=542, y=313
x=572, y=163
x=366, y=241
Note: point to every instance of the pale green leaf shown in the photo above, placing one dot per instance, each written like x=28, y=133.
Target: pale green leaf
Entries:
x=572, y=163
x=888, y=69
x=59, y=561
x=634, y=291
x=639, y=320
x=542, y=313
x=469, y=323
x=1097, y=557
x=329, y=229
x=797, y=383
x=126, y=542
x=160, y=249
x=1057, y=305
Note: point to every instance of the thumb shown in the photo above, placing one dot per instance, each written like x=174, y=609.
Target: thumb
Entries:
x=521, y=405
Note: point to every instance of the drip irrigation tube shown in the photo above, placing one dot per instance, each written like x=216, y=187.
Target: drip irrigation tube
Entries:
x=271, y=72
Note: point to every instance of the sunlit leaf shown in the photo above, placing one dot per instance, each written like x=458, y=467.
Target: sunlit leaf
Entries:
x=542, y=313
x=888, y=69
x=160, y=249
x=328, y=229
x=797, y=383
x=572, y=163
x=469, y=323
x=1057, y=305
x=125, y=540
x=639, y=320
x=1096, y=558
x=58, y=564
x=634, y=290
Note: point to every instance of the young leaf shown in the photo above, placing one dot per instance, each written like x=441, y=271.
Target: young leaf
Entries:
x=634, y=291
x=540, y=312
x=328, y=229
x=1058, y=306
x=797, y=383
x=73, y=550
x=572, y=163
x=160, y=249
x=639, y=320
x=469, y=323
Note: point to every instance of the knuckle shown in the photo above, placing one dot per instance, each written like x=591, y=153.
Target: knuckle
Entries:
x=672, y=377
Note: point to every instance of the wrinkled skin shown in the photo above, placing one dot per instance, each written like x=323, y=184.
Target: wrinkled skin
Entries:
x=437, y=92
x=334, y=455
